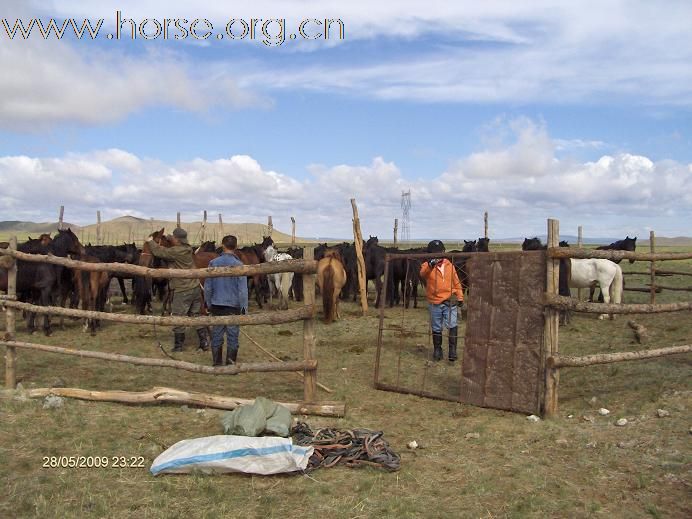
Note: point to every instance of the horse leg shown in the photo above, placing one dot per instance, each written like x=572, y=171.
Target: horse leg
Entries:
x=46, y=300
x=121, y=282
x=605, y=293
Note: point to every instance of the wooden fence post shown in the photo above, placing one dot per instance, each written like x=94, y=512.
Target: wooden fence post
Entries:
x=309, y=346
x=60, y=217
x=396, y=229
x=652, y=247
x=10, y=323
x=293, y=230
x=550, y=331
x=98, y=227
x=580, y=244
x=203, y=230
x=177, y=219
x=485, y=224
x=221, y=234
x=358, y=242
x=270, y=226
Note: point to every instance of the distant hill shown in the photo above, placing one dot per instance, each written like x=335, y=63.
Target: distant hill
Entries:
x=130, y=228
x=14, y=226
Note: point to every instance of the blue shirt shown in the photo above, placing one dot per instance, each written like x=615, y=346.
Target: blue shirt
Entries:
x=227, y=290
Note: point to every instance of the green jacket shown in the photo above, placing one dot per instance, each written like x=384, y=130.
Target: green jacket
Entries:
x=178, y=257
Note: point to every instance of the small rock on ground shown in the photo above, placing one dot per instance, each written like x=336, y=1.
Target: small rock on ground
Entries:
x=533, y=418
x=472, y=436
x=621, y=422
x=53, y=402
x=662, y=413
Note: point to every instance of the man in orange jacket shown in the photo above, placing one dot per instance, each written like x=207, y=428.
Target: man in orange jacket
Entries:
x=443, y=290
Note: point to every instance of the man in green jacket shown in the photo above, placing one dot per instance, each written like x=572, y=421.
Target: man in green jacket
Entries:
x=187, y=296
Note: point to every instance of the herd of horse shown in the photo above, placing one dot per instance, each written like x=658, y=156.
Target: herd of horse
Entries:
x=337, y=273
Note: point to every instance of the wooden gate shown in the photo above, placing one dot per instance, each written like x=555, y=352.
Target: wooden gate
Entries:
x=502, y=364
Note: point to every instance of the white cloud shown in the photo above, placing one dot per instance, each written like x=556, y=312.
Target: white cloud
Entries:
x=476, y=52
x=521, y=182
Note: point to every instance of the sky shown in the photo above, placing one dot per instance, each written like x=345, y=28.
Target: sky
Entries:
x=580, y=111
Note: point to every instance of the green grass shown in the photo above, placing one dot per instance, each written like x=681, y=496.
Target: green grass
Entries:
x=565, y=467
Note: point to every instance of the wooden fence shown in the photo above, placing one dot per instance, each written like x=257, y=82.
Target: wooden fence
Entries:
x=308, y=366
x=554, y=303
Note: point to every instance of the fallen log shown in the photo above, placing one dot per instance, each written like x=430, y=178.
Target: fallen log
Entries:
x=568, y=303
x=255, y=367
x=163, y=394
x=563, y=361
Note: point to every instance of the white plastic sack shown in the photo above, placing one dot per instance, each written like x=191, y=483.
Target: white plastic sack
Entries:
x=227, y=453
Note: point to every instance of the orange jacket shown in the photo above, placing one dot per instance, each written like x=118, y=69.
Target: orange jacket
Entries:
x=441, y=281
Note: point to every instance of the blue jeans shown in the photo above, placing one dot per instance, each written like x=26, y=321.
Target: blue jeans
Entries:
x=231, y=332
x=442, y=316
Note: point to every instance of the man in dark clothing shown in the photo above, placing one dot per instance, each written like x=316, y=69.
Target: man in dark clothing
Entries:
x=226, y=296
x=187, y=299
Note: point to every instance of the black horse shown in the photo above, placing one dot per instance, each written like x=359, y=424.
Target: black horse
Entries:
x=38, y=282
x=628, y=244
x=374, y=265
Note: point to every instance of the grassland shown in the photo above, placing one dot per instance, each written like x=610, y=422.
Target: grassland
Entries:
x=576, y=465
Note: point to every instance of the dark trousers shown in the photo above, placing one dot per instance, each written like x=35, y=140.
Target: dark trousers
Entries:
x=231, y=332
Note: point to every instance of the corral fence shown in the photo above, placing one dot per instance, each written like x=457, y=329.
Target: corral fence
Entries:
x=511, y=356
x=308, y=366
x=654, y=287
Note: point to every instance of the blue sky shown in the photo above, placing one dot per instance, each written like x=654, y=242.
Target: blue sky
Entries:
x=580, y=111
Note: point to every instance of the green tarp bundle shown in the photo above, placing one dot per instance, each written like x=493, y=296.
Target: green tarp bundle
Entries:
x=260, y=418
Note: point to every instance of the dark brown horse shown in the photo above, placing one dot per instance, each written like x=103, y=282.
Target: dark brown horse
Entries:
x=254, y=255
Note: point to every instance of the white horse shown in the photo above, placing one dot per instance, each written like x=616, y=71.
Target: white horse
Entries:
x=280, y=282
x=586, y=273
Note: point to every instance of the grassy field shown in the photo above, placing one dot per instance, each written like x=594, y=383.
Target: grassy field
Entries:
x=576, y=465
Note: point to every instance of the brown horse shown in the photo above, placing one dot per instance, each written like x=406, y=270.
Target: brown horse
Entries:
x=92, y=289
x=331, y=278
x=254, y=255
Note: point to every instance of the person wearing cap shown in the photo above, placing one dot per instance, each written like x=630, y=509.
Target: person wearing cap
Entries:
x=226, y=296
x=187, y=298
x=442, y=290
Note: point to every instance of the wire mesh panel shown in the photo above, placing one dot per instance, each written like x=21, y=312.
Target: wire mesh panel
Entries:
x=504, y=334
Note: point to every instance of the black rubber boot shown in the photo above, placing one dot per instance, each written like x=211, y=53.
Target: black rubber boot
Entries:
x=453, y=344
x=178, y=341
x=437, y=346
x=203, y=335
x=217, y=355
x=231, y=355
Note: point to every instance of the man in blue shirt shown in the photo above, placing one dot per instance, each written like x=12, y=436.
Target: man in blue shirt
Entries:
x=226, y=296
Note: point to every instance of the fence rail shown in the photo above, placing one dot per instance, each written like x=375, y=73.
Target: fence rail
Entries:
x=298, y=266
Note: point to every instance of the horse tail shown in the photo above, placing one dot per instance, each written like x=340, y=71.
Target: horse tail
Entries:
x=617, y=286
x=328, y=294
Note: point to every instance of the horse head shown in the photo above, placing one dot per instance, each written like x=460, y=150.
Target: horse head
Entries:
x=483, y=244
x=532, y=244
x=564, y=243
x=266, y=242
x=372, y=240
x=66, y=242
x=470, y=246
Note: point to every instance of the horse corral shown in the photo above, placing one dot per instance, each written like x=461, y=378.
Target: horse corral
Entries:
x=510, y=358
